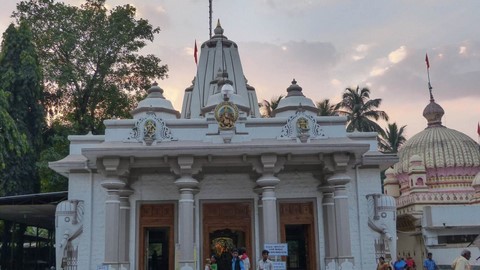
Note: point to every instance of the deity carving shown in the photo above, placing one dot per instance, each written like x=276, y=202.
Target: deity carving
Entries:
x=226, y=114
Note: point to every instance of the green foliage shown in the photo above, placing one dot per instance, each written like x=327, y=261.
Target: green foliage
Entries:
x=326, y=108
x=57, y=147
x=392, y=138
x=90, y=59
x=361, y=110
x=268, y=107
x=12, y=142
x=21, y=78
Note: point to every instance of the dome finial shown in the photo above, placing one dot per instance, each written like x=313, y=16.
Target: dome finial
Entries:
x=433, y=113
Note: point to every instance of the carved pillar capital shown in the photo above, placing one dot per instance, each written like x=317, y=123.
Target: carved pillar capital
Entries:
x=115, y=171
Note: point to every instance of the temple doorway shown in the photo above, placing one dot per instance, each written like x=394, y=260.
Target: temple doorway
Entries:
x=226, y=226
x=156, y=237
x=297, y=229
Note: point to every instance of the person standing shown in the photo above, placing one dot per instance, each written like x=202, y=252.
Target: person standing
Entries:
x=429, y=263
x=242, y=252
x=461, y=262
x=382, y=264
x=237, y=263
x=410, y=263
x=399, y=264
x=264, y=263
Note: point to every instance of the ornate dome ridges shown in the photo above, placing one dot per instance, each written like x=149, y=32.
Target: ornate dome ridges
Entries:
x=440, y=147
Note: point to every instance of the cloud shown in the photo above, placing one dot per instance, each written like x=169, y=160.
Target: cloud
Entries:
x=398, y=55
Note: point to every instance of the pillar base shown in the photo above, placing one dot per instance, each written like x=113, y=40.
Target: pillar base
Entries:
x=186, y=265
x=343, y=263
x=116, y=266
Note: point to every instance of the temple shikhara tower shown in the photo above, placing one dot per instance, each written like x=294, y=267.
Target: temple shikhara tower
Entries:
x=166, y=189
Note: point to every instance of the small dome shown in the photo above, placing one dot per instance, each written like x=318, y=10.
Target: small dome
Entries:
x=293, y=101
x=155, y=102
x=433, y=113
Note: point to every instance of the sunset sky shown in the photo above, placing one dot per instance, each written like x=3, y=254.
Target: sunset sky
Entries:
x=328, y=45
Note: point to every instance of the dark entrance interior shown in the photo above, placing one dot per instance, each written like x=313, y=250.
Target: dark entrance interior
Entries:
x=297, y=223
x=296, y=237
x=156, y=247
x=222, y=243
x=226, y=226
x=157, y=255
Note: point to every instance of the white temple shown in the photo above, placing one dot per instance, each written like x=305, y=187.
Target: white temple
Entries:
x=165, y=190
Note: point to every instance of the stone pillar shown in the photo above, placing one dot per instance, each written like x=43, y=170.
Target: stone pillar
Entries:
x=342, y=220
x=187, y=186
x=124, y=225
x=329, y=225
x=267, y=183
x=269, y=213
x=114, y=171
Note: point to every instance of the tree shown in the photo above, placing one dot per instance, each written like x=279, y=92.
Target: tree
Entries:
x=326, y=108
x=21, y=78
x=269, y=106
x=11, y=141
x=90, y=59
x=392, y=138
x=360, y=110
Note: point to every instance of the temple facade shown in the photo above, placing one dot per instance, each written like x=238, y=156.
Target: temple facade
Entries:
x=166, y=188
x=436, y=184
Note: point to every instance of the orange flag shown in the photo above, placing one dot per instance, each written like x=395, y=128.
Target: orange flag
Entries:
x=195, y=52
x=426, y=61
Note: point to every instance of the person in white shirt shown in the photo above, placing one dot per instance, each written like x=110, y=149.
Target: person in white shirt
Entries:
x=265, y=263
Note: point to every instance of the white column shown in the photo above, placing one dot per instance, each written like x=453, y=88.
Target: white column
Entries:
x=269, y=205
x=124, y=225
x=187, y=186
x=115, y=171
x=112, y=218
x=342, y=220
x=329, y=225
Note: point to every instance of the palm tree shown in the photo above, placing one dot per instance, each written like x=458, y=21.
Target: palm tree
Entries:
x=269, y=106
x=361, y=110
x=392, y=138
x=326, y=108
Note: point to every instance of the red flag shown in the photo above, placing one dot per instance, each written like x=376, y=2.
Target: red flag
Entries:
x=426, y=61
x=195, y=51
x=478, y=129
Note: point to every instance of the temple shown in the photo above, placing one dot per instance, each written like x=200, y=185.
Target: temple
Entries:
x=436, y=184
x=166, y=188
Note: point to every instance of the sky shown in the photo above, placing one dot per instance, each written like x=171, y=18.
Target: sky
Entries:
x=329, y=45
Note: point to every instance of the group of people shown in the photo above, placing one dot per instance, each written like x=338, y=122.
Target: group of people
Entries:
x=241, y=261
x=460, y=263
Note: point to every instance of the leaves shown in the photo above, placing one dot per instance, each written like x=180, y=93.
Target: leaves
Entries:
x=392, y=138
x=90, y=58
x=361, y=110
x=269, y=106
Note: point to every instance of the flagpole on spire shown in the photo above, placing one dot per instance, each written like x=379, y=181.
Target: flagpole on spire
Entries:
x=428, y=75
x=210, y=16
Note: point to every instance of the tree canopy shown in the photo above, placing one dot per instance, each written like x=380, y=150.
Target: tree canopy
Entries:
x=11, y=141
x=21, y=78
x=392, y=138
x=325, y=108
x=361, y=110
x=90, y=59
x=268, y=107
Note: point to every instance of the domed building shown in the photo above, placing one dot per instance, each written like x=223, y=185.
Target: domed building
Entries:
x=437, y=190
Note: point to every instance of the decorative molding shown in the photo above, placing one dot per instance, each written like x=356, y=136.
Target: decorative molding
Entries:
x=150, y=130
x=302, y=127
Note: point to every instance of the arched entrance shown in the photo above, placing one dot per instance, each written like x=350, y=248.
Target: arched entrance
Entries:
x=226, y=226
